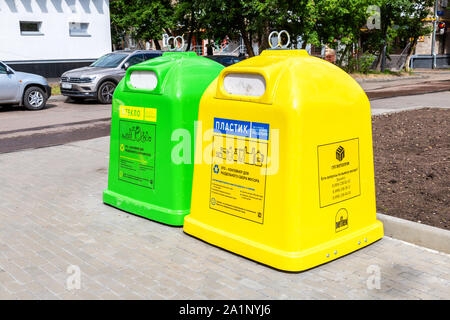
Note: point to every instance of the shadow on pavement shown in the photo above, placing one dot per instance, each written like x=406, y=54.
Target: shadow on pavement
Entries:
x=14, y=108
x=80, y=101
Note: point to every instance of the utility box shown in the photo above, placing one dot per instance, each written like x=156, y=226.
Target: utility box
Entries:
x=154, y=114
x=287, y=176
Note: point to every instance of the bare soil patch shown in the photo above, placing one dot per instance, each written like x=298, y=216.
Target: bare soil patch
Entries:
x=412, y=165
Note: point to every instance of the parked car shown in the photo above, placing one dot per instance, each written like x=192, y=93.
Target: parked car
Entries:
x=24, y=89
x=226, y=60
x=99, y=80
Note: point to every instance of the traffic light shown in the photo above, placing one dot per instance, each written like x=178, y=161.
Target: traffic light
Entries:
x=441, y=26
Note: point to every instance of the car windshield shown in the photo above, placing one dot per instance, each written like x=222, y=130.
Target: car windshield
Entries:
x=111, y=60
x=4, y=67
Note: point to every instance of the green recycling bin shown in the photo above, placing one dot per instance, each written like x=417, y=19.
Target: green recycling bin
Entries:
x=154, y=114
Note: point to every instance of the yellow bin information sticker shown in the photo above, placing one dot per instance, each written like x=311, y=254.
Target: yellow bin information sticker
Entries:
x=238, y=169
x=138, y=113
x=339, y=176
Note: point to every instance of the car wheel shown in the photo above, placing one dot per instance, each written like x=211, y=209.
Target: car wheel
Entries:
x=34, y=98
x=105, y=92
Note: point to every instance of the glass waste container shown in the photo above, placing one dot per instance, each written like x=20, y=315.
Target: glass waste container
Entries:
x=154, y=113
x=286, y=176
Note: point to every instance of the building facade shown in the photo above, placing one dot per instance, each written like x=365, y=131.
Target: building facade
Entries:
x=48, y=37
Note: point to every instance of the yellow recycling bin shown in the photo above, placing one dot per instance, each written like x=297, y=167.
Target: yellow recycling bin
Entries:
x=284, y=162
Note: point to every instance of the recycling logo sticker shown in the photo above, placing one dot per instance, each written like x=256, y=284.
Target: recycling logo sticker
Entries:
x=340, y=153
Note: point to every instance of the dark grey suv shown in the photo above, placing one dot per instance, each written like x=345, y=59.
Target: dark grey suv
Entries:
x=99, y=80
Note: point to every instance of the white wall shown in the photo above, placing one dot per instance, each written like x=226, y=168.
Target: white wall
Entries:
x=55, y=43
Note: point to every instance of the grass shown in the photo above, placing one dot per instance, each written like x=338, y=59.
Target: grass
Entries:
x=386, y=72
x=56, y=90
x=375, y=74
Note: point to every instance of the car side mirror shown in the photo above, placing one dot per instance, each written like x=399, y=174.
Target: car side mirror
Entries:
x=126, y=65
x=9, y=71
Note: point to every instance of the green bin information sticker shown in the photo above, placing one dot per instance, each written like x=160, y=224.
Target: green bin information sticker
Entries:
x=137, y=153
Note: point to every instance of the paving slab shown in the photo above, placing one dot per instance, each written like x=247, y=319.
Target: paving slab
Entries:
x=59, y=241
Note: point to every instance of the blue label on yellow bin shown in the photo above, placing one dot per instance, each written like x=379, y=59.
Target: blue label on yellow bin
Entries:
x=239, y=128
x=238, y=168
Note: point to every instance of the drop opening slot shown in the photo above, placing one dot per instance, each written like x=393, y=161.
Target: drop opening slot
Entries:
x=245, y=84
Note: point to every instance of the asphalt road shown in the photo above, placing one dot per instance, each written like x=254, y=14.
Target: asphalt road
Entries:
x=65, y=121
x=59, y=110
x=410, y=89
x=52, y=135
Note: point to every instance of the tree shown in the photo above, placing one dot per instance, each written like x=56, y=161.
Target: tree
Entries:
x=144, y=20
x=335, y=23
x=400, y=18
x=412, y=25
x=249, y=19
x=186, y=16
x=118, y=28
x=297, y=17
x=339, y=24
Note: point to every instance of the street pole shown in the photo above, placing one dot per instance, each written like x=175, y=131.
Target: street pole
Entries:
x=383, y=54
x=433, y=40
x=383, y=57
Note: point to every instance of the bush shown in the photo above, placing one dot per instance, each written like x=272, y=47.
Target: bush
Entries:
x=365, y=62
x=361, y=64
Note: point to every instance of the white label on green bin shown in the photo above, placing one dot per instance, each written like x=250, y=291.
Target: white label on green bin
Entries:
x=137, y=153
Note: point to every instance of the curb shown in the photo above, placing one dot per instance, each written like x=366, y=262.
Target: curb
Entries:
x=389, y=79
x=386, y=111
x=416, y=233
x=57, y=98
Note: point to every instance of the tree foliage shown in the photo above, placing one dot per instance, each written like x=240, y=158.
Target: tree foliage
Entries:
x=142, y=19
x=339, y=24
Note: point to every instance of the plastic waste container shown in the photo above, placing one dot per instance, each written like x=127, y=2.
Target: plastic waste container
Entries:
x=287, y=176
x=154, y=111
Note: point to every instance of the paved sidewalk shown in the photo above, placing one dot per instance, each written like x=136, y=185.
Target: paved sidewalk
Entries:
x=397, y=104
x=52, y=217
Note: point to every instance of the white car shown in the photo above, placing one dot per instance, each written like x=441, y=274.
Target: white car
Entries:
x=24, y=89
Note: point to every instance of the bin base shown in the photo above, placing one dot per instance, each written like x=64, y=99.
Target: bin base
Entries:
x=146, y=210
x=283, y=260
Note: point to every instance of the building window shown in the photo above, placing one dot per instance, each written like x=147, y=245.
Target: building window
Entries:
x=79, y=29
x=30, y=28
